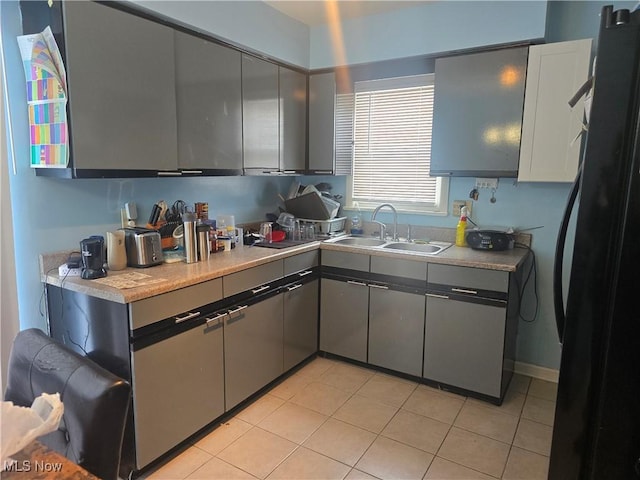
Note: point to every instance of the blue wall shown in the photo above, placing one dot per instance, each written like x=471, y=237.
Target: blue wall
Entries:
x=429, y=28
x=52, y=215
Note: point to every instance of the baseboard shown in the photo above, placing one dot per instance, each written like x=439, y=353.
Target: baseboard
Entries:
x=535, y=371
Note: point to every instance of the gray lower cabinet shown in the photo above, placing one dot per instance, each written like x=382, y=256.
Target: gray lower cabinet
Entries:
x=464, y=345
x=396, y=330
x=300, y=322
x=253, y=357
x=260, y=111
x=344, y=313
x=209, y=104
x=164, y=415
x=121, y=89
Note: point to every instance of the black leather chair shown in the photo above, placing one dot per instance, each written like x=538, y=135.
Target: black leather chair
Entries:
x=95, y=401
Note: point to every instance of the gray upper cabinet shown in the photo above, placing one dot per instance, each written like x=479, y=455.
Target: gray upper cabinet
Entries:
x=293, y=121
x=209, y=104
x=322, y=109
x=477, y=118
x=260, y=109
x=121, y=89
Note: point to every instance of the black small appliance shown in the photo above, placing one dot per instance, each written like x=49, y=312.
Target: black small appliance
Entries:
x=495, y=240
x=92, y=250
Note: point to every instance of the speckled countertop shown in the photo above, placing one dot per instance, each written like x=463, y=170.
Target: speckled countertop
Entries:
x=173, y=276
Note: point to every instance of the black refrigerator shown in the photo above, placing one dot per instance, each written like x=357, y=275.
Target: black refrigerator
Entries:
x=596, y=434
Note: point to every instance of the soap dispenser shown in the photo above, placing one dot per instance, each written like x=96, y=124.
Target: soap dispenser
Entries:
x=356, y=221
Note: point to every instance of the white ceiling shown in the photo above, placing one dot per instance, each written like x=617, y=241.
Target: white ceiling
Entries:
x=316, y=12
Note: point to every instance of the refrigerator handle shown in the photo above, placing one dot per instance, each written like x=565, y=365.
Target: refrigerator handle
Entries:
x=558, y=303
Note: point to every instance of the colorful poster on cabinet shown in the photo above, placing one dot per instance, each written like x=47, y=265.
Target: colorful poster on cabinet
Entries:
x=46, y=83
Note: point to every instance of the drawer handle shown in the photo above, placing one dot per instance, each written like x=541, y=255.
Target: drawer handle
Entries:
x=239, y=309
x=433, y=295
x=261, y=289
x=186, y=317
x=192, y=172
x=216, y=318
x=382, y=287
x=325, y=172
x=360, y=284
x=294, y=287
x=169, y=174
x=305, y=273
x=462, y=290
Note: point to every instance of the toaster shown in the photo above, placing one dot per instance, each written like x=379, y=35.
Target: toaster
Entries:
x=144, y=247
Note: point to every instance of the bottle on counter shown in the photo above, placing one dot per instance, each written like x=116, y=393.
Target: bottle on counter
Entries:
x=356, y=221
x=461, y=228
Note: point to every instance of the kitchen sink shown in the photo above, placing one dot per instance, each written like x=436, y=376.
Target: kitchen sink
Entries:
x=360, y=241
x=424, y=248
x=405, y=247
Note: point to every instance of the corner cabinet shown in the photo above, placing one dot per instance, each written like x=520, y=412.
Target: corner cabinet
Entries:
x=550, y=147
x=322, y=110
x=121, y=86
x=209, y=105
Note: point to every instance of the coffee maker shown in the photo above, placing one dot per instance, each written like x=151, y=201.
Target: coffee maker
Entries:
x=92, y=250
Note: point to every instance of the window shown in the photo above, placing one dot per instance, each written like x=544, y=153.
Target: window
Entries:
x=392, y=121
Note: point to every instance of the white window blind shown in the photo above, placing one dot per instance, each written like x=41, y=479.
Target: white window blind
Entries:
x=392, y=144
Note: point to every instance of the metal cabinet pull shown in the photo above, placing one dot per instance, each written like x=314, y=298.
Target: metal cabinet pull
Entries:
x=294, y=287
x=323, y=172
x=382, y=287
x=260, y=289
x=305, y=273
x=462, y=290
x=353, y=282
x=433, y=295
x=239, y=309
x=216, y=318
x=169, y=174
x=186, y=317
x=192, y=172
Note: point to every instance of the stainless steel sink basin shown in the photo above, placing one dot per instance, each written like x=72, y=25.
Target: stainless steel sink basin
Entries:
x=405, y=247
x=360, y=241
x=426, y=249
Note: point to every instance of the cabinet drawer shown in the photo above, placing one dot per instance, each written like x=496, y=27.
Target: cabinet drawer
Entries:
x=303, y=261
x=150, y=310
x=351, y=261
x=252, y=277
x=476, y=278
x=399, y=267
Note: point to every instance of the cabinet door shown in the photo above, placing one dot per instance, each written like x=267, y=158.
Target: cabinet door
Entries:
x=253, y=339
x=209, y=104
x=322, y=95
x=464, y=345
x=396, y=330
x=300, y=323
x=121, y=89
x=293, y=120
x=178, y=388
x=260, y=112
x=549, y=150
x=344, y=312
x=477, y=115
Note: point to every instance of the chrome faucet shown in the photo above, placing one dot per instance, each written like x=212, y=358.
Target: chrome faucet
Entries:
x=383, y=227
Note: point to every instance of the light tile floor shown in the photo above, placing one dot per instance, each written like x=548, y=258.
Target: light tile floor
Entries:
x=333, y=420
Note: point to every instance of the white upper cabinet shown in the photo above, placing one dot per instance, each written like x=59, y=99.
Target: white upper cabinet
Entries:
x=549, y=150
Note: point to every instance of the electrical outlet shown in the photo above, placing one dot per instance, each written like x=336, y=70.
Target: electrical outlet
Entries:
x=490, y=183
x=458, y=204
